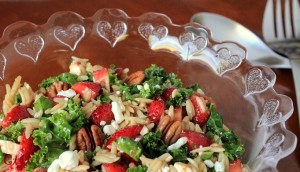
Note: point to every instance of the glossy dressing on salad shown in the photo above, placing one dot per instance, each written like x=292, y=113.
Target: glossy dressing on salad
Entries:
x=105, y=118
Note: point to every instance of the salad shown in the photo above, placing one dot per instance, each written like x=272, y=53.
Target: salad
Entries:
x=95, y=118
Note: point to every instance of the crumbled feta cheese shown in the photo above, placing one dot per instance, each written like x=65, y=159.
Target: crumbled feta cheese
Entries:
x=137, y=139
x=157, y=86
x=114, y=124
x=144, y=130
x=115, y=108
x=209, y=163
x=102, y=123
x=146, y=86
x=166, y=169
x=67, y=93
x=118, y=92
x=139, y=87
x=183, y=167
x=219, y=166
x=54, y=167
x=109, y=130
x=178, y=143
x=68, y=160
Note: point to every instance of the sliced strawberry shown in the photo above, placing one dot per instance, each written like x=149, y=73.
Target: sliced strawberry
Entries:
x=195, y=139
x=27, y=148
x=159, y=98
x=114, y=167
x=91, y=87
x=155, y=110
x=167, y=93
x=15, y=114
x=101, y=76
x=201, y=110
x=235, y=166
x=178, y=114
x=102, y=113
x=129, y=131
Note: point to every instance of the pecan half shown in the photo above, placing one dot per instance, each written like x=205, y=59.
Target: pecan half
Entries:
x=135, y=78
x=89, y=138
x=97, y=134
x=56, y=87
x=170, y=130
x=83, y=141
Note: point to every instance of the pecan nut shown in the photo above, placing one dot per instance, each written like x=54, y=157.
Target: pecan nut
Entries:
x=135, y=78
x=83, y=141
x=88, y=138
x=56, y=87
x=170, y=130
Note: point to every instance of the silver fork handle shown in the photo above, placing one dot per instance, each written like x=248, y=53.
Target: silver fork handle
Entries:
x=295, y=63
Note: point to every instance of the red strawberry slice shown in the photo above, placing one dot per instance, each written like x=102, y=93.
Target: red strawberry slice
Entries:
x=15, y=114
x=129, y=131
x=201, y=110
x=155, y=111
x=102, y=113
x=167, y=93
x=114, y=167
x=80, y=88
x=195, y=139
x=235, y=166
x=27, y=148
x=101, y=76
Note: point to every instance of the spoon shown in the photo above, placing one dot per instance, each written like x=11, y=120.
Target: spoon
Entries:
x=225, y=29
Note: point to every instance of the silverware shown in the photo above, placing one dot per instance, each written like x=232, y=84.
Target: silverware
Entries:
x=283, y=35
x=225, y=29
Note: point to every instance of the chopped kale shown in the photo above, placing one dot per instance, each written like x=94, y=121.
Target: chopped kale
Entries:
x=152, y=145
x=139, y=168
x=68, y=78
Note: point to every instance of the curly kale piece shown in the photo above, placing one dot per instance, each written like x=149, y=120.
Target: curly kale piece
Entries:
x=152, y=144
x=139, y=168
x=68, y=78
x=232, y=144
x=15, y=130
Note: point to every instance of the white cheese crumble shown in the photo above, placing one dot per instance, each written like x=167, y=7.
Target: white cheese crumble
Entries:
x=209, y=163
x=180, y=142
x=68, y=160
x=54, y=167
x=166, y=169
x=139, y=87
x=219, y=166
x=102, y=123
x=146, y=86
x=114, y=124
x=118, y=92
x=117, y=112
x=67, y=93
x=144, y=130
x=109, y=130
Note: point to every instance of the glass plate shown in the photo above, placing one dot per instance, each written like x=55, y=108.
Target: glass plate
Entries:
x=243, y=93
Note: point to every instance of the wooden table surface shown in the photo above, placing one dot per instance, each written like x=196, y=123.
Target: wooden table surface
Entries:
x=247, y=12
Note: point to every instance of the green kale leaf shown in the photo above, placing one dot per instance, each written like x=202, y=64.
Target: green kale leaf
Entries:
x=139, y=168
x=68, y=78
x=152, y=145
x=15, y=130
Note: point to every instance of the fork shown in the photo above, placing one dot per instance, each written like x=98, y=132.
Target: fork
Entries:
x=282, y=33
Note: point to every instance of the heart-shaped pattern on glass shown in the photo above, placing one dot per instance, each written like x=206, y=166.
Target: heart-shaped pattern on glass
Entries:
x=272, y=145
x=191, y=44
x=146, y=29
x=270, y=114
x=30, y=46
x=111, y=32
x=227, y=61
x=2, y=66
x=256, y=82
x=70, y=36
